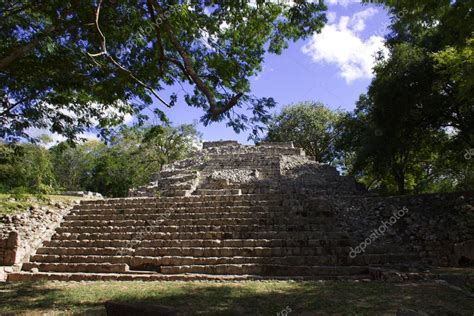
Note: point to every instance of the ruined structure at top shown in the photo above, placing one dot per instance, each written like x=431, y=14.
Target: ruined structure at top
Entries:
x=248, y=212
x=227, y=167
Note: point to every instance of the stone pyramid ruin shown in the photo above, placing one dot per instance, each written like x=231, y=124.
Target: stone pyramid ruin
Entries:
x=235, y=212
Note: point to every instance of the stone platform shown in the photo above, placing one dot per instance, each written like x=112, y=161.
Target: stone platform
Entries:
x=231, y=212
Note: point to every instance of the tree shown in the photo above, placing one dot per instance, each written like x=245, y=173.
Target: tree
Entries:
x=73, y=165
x=454, y=67
x=130, y=159
x=397, y=146
x=74, y=65
x=441, y=33
x=411, y=129
x=162, y=145
x=309, y=125
x=27, y=166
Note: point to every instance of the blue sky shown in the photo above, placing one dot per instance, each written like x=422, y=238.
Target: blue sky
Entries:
x=333, y=67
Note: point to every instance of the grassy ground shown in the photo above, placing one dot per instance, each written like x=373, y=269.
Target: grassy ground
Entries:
x=244, y=298
x=10, y=205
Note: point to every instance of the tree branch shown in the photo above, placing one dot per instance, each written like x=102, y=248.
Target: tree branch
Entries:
x=180, y=65
x=21, y=51
x=7, y=106
x=214, y=108
x=112, y=59
x=161, y=53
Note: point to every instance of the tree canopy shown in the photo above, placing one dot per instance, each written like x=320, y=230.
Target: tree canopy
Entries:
x=421, y=100
x=130, y=159
x=74, y=65
x=309, y=125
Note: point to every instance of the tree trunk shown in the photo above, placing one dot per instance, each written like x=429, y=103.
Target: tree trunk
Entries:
x=401, y=183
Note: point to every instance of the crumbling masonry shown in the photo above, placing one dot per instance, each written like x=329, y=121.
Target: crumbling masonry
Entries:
x=250, y=212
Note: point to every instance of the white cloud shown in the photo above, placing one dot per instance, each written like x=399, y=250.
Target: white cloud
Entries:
x=343, y=3
x=57, y=138
x=358, y=19
x=331, y=16
x=341, y=44
x=257, y=76
x=289, y=3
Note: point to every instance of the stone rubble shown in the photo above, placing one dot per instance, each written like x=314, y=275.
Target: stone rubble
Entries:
x=21, y=234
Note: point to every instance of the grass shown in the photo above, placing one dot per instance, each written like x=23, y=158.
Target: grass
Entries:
x=236, y=298
x=10, y=205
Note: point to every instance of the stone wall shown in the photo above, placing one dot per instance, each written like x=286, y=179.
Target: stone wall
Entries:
x=22, y=234
x=437, y=227
x=3, y=248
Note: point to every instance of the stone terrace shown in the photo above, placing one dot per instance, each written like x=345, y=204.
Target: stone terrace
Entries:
x=231, y=212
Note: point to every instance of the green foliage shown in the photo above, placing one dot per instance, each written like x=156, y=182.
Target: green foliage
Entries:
x=438, y=35
x=73, y=164
x=132, y=157
x=402, y=161
x=129, y=160
x=385, y=145
x=19, y=193
x=409, y=133
x=457, y=63
x=309, y=125
x=19, y=201
x=28, y=166
x=62, y=71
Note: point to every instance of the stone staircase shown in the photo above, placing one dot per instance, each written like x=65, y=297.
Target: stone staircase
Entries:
x=222, y=215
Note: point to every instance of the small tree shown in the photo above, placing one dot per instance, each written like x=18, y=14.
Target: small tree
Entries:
x=309, y=125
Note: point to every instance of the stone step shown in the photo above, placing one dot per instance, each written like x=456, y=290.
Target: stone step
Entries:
x=181, y=177
x=234, y=269
x=270, y=210
x=180, y=186
x=210, y=215
x=200, y=243
x=188, y=199
x=190, y=205
x=176, y=192
x=242, y=160
x=266, y=269
x=149, y=262
x=77, y=267
x=58, y=276
x=276, y=145
x=164, y=220
x=263, y=166
x=218, y=192
x=178, y=173
x=240, y=251
x=300, y=235
x=193, y=228
x=197, y=252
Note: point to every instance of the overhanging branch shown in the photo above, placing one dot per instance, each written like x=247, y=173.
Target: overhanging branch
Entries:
x=105, y=53
x=21, y=51
x=187, y=67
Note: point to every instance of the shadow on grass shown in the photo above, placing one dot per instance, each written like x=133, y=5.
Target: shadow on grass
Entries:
x=246, y=298
x=27, y=295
